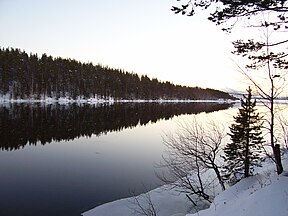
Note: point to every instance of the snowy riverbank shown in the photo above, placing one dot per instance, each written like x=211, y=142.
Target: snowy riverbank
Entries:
x=264, y=194
x=97, y=100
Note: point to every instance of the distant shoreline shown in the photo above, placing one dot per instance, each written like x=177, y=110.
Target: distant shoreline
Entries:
x=109, y=101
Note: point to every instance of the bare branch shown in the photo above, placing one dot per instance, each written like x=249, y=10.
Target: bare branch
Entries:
x=193, y=150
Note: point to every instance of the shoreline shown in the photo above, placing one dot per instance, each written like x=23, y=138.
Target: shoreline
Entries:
x=109, y=101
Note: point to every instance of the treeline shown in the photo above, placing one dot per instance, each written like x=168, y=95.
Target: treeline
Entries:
x=25, y=76
x=22, y=124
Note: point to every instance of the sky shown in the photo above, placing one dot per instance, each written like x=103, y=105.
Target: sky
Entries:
x=144, y=37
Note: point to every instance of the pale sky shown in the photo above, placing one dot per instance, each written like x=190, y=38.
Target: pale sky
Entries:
x=144, y=37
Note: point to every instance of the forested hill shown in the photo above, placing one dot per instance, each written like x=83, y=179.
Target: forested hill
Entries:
x=24, y=76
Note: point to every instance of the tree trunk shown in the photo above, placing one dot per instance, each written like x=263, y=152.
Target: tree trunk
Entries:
x=247, y=143
x=277, y=156
x=246, y=161
x=221, y=182
x=275, y=147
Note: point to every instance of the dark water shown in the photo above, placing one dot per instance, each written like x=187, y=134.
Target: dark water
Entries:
x=65, y=159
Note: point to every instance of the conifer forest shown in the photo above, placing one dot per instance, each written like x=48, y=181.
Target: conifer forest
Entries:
x=28, y=76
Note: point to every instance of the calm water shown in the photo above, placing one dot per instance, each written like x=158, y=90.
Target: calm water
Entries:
x=63, y=160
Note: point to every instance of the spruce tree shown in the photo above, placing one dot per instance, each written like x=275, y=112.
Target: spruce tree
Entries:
x=242, y=153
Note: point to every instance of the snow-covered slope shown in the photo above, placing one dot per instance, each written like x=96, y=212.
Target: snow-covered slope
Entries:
x=165, y=202
x=254, y=196
x=264, y=194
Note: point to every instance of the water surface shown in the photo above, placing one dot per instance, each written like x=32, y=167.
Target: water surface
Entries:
x=65, y=159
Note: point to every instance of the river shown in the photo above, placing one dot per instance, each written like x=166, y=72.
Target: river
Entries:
x=66, y=159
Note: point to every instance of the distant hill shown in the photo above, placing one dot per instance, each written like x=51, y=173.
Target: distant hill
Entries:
x=24, y=76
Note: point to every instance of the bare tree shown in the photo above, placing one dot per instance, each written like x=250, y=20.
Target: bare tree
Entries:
x=142, y=204
x=272, y=85
x=193, y=152
x=284, y=129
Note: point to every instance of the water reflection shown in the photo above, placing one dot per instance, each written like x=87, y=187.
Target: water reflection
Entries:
x=23, y=124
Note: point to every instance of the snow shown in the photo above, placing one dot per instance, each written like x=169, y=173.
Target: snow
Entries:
x=166, y=203
x=264, y=194
x=97, y=99
x=251, y=196
x=52, y=100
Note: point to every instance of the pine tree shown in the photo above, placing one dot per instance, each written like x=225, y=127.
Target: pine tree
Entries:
x=242, y=153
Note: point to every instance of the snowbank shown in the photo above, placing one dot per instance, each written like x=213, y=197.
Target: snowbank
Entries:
x=165, y=202
x=254, y=196
x=98, y=99
x=264, y=194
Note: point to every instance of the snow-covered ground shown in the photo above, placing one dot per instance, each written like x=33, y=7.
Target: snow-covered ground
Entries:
x=254, y=196
x=264, y=194
x=165, y=202
x=95, y=100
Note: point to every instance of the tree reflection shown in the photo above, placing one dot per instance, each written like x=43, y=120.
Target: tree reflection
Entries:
x=23, y=124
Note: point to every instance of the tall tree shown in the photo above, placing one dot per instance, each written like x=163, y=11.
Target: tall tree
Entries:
x=264, y=55
x=269, y=56
x=242, y=153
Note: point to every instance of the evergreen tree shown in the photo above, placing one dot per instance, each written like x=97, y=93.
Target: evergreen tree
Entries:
x=242, y=153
